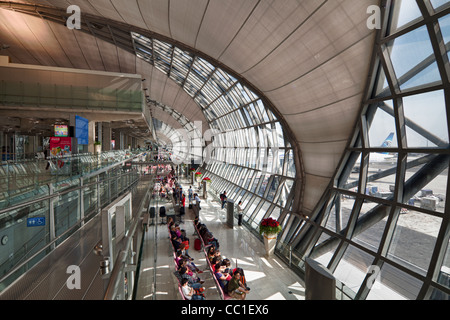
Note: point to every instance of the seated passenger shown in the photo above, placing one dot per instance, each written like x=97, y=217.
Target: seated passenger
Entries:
x=211, y=251
x=209, y=240
x=235, y=288
x=176, y=242
x=183, y=263
x=224, y=265
x=215, y=264
x=177, y=230
x=196, y=222
x=227, y=264
x=217, y=254
x=194, y=283
x=222, y=277
x=170, y=222
x=188, y=292
x=243, y=279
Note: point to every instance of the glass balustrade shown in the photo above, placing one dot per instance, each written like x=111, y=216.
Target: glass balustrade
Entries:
x=40, y=208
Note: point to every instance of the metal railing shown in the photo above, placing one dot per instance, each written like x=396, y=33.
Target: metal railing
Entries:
x=123, y=261
x=61, y=212
x=20, y=180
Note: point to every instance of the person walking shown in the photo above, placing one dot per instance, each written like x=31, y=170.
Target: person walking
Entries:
x=240, y=212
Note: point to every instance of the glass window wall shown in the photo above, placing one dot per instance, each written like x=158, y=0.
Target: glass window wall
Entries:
x=387, y=210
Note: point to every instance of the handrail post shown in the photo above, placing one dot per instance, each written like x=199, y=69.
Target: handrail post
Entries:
x=290, y=255
x=81, y=199
x=99, y=198
x=51, y=213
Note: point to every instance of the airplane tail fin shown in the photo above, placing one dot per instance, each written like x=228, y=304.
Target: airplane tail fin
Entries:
x=388, y=142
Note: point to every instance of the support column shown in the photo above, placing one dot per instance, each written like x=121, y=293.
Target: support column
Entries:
x=91, y=148
x=72, y=125
x=121, y=142
x=99, y=132
x=106, y=136
x=230, y=213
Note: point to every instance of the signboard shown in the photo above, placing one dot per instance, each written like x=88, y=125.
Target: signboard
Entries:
x=36, y=222
x=82, y=130
x=60, y=146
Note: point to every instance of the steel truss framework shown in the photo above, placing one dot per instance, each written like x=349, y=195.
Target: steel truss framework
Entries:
x=382, y=228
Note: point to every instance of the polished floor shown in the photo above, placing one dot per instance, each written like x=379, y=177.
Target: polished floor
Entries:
x=268, y=278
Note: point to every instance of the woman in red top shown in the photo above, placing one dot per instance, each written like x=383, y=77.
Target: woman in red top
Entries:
x=183, y=200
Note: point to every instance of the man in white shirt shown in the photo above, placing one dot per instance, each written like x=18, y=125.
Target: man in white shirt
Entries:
x=188, y=292
x=240, y=212
x=197, y=201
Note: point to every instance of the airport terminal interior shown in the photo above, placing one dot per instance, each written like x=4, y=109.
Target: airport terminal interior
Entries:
x=325, y=122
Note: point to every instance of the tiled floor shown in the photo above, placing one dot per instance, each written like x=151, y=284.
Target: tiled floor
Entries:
x=268, y=278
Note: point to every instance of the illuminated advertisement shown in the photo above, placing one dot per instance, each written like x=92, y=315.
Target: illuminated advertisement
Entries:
x=61, y=131
x=60, y=146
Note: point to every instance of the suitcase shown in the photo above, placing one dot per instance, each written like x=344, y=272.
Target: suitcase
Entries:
x=197, y=244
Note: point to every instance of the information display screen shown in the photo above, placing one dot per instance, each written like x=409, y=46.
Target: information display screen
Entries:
x=61, y=131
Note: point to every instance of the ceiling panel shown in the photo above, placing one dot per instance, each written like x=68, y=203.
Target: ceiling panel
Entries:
x=185, y=20
x=156, y=15
x=217, y=29
x=268, y=26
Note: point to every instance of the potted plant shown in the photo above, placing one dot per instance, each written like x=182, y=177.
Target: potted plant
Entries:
x=269, y=228
x=97, y=147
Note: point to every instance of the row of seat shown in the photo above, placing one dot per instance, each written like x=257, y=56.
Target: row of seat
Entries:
x=176, y=273
x=223, y=295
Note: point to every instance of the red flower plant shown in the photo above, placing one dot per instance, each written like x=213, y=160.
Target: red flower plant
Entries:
x=269, y=226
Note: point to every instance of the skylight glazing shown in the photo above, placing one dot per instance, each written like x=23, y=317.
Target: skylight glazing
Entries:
x=250, y=156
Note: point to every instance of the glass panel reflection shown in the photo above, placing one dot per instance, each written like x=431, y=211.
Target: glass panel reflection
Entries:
x=394, y=284
x=414, y=240
x=353, y=267
x=426, y=120
x=413, y=59
x=404, y=12
x=433, y=195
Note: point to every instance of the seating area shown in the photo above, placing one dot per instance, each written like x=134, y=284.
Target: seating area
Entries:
x=176, y=273
x=206, y=242
x=183, y=262
x=206, y=231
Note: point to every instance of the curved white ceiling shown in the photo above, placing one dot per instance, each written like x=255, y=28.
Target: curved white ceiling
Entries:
x=310, y=58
